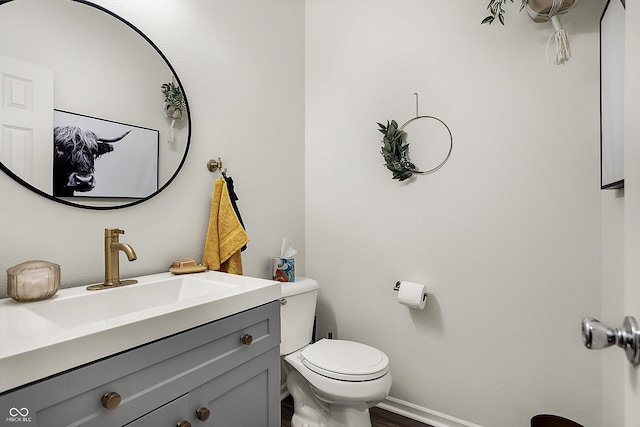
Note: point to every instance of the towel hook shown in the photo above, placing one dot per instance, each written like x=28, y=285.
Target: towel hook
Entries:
x=214, y=165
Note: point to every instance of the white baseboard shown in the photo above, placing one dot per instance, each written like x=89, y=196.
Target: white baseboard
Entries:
x=411, y=411
x=424, y=415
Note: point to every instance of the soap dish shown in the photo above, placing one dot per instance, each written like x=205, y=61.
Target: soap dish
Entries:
x=188, y=269
x=33, y=280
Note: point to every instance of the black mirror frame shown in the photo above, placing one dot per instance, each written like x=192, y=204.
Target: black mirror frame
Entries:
x=186, y=149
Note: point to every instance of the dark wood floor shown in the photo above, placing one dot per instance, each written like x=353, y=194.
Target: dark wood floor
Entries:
x=379, y=417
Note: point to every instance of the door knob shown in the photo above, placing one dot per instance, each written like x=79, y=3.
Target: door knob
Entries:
x=596, y=335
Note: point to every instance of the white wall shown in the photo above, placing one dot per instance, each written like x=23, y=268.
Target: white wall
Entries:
x=241, y=64
x=507, y=234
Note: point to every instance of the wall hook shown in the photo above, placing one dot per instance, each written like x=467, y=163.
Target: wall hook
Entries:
x=214, y=165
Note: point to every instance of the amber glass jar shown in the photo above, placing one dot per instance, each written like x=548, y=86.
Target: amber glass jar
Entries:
x=33, y=280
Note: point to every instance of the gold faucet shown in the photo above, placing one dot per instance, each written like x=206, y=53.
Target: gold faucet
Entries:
x=112, y=248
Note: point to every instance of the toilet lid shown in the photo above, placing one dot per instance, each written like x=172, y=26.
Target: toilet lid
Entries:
x=345, y=360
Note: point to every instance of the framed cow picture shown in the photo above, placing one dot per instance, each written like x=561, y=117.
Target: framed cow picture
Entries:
x=94, y=157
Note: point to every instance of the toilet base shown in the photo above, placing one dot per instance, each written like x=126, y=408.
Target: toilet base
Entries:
x=309, y=411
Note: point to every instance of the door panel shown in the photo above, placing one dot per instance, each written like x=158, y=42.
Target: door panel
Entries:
x=26, y=121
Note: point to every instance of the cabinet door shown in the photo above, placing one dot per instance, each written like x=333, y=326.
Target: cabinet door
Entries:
x=168, y=415
x=246, y=396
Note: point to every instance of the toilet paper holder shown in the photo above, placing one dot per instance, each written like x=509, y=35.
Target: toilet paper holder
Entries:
x=397, y=288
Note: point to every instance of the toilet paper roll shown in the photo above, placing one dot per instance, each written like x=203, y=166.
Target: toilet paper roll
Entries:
x=412, y=294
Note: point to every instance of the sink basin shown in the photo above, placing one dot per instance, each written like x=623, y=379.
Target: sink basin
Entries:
x=97, y=306
x=77, y=326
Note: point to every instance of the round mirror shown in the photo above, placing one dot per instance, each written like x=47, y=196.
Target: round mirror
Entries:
x=92, y=114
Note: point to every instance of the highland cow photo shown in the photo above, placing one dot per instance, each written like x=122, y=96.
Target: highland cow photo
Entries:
x=101, y=158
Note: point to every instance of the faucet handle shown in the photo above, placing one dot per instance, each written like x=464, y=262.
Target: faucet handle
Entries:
x=112, y=232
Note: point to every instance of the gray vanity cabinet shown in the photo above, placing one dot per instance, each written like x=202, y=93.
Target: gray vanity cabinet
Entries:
x=222, y=374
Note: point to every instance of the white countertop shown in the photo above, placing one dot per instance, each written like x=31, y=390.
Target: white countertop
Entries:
x=76, y=326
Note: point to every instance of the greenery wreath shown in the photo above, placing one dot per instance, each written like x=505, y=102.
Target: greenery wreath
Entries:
x=395, y=151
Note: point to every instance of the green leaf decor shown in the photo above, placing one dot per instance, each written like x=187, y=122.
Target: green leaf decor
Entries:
x=396, y=151
x=496, y=10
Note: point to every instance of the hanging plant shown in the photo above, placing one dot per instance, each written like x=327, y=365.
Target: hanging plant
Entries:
x=540, y=11
x=174, y=103
x=396, y=151
x=495, y=7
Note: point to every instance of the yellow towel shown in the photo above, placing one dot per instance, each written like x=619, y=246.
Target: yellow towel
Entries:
x=225, y=235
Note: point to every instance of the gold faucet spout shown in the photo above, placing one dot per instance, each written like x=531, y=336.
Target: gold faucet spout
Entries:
x=112, y=248
x=126, y=248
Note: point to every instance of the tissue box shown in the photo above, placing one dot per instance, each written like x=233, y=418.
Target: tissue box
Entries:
x=284, y=269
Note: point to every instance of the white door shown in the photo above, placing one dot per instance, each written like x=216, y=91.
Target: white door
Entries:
x=621, y=234
x=632, y=281
x=632, y=201
x=26, y=122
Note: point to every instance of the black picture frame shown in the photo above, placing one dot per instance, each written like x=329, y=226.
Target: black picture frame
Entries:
x=612, y=24
x=129, y=170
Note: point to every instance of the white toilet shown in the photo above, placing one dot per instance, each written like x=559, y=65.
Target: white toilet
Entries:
x=333, y=382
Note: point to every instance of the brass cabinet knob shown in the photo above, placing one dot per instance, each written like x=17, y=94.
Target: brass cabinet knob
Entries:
x=183, y=424
x=203, y=414
x=246, y=339
x=111, y=400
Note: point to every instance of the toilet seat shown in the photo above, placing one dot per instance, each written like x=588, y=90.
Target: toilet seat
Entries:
x=345, y=360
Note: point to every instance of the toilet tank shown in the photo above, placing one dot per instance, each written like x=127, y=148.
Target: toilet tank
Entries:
x=297, y=312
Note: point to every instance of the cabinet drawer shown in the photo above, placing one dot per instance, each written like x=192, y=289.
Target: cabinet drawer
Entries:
x=148, y=376
x=168, y=415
